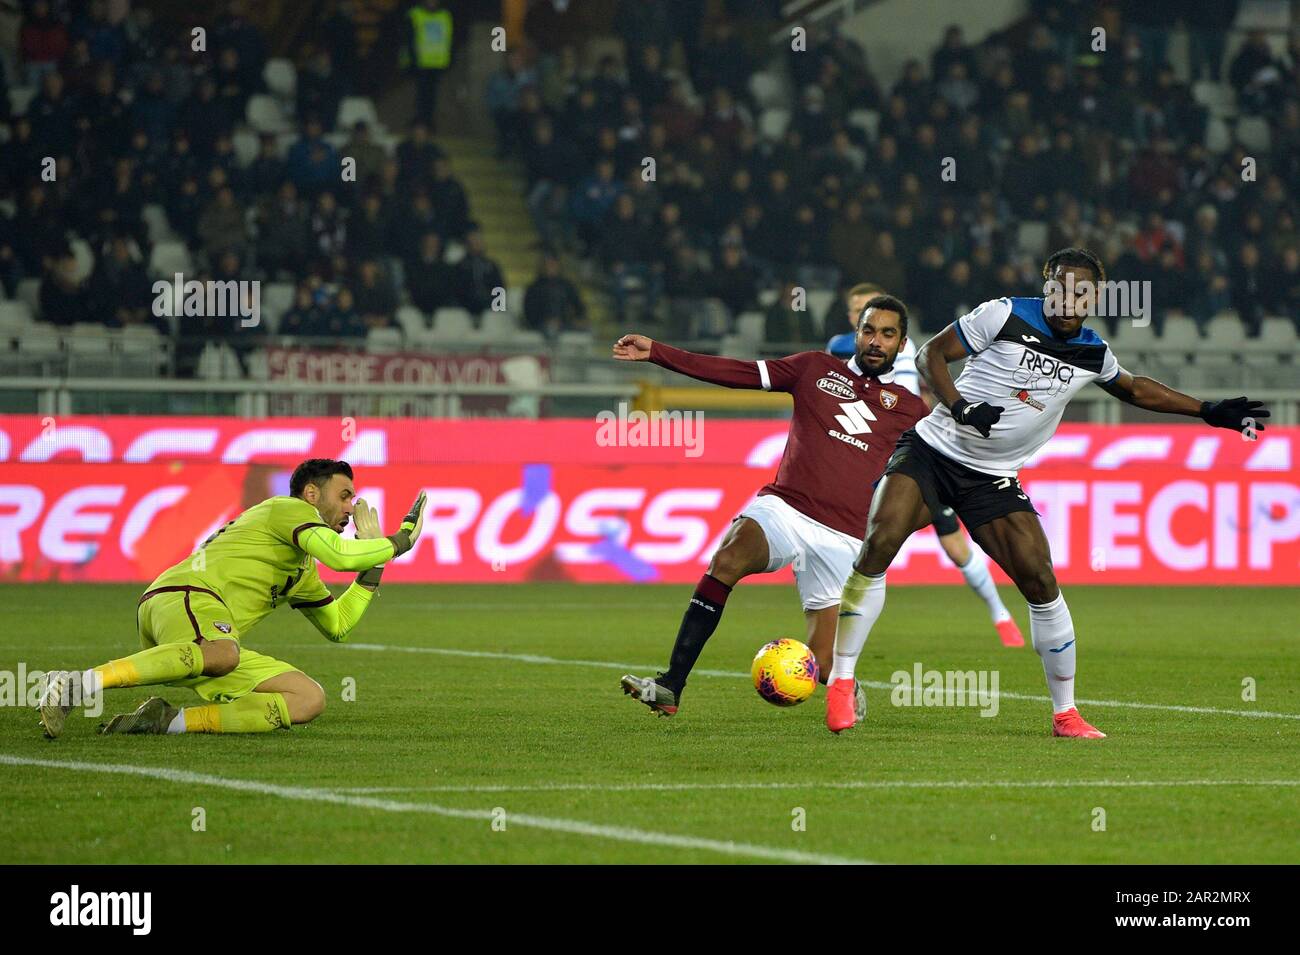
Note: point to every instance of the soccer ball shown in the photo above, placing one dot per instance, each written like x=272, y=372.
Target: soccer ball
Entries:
x=784, y=672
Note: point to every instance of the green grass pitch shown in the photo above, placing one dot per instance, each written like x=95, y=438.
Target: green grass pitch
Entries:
x=488, y=727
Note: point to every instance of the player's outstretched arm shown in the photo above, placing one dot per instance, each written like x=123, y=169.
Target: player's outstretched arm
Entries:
x=336, y=553
x=1236, y=414
x=731, y=372
x=932, y=362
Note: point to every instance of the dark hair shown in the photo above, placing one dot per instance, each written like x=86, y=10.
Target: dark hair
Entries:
x=1074, y=256
x=889, y=304
x=316, y=471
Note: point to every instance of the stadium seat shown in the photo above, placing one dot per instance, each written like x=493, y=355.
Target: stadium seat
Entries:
x=575, y=341
x=277, y=296
x=281, y=78
x=819, y=301
x=1130, y=339
x=84, y=257
x=453, y=253
x=1031, y=238
x=1253, y=133
x=265, y=115
x=523, y=371
x=453, y=323
x=1225, y=331
x=20, y=97
x=773, y=122
x=155, y=220
x=259, y=365
x=767, y=90
x=246, y=146
x=1217, y=135
x=515, y=300
x=1276, y=340
x=751, y=326
x=736, y=346
x=767, y=297
x=29, y=293
x=384, y=341
x=1181, y=337
x=354, y=108
x=15, y=318
x=499, y=326
x=413, y=321
x=1218, y=98
x=867, y=120
x=168, y=258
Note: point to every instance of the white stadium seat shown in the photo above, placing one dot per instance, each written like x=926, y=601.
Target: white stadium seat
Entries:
x=453, y=323
x=867, y=120
x=29, y=293
x=15, y=318
x=499, y=326
x=354, y=108
x=265, y=115
x=247, y=146
x=412, y=320
x=751, y=326
x=384, y=340
x=155, y=220
x=1253, y=133
x=168, y=258
x=278, y=296
x=1031, y=238
x=84, y=257
x=767, y=90
x=1181, y=337
x=1217, y=135
x=1218, y=98
x=281, y=77
x=1223, y=338
x=20, y=97
x=773, y=122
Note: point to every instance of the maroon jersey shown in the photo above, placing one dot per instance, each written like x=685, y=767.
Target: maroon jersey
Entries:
x=843, y=431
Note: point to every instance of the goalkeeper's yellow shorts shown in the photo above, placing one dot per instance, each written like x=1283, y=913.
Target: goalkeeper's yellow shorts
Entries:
x=184, y=614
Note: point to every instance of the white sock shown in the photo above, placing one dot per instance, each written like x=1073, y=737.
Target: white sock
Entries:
x=976, y=572
x=1052, y=632
x=860, y=605
x=177, y=725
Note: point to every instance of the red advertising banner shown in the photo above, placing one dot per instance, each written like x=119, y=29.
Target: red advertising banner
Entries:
x=366, y=441
x=1143, y=523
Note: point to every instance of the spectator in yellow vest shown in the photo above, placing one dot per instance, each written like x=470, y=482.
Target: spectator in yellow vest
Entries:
x=430, y=54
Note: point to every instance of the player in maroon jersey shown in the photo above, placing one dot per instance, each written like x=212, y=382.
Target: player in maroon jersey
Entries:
x=847, y=418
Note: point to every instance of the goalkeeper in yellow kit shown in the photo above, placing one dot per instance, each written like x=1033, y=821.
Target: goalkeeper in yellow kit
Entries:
x=193, y=619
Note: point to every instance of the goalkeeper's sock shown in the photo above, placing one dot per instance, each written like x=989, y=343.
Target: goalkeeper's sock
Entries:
x=976, y=572
x=698, y=623
x=1052, y=631
x=165, y=663
x=254, y=713
x=861, y=603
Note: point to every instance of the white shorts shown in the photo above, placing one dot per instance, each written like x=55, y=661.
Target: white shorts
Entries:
x=822, y=557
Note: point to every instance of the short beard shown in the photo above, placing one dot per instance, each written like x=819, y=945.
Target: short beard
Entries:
x=876, y=372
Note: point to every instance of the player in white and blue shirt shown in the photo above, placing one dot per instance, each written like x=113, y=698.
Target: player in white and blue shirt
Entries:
x=1027, y=358
x=969, y=561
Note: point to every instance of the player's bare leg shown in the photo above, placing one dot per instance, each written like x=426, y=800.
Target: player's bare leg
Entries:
x=975, y=569
x=1018, y=544
x=743, y=552
x=897, y=510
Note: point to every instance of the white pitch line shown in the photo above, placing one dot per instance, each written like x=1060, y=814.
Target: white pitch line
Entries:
x=873, y=684
x=572, y=826
x=843, y=784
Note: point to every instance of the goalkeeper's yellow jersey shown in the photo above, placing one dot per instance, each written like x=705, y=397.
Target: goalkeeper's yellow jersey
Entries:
x=267, y=556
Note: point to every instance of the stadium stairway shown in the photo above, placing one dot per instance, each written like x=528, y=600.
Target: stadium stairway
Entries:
x=496, y=191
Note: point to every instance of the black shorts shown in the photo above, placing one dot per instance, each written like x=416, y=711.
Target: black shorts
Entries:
x=976, y=497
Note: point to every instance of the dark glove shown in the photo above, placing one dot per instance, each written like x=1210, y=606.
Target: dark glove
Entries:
x=402, y=539
x=1233, y=412
x=981, y=416
x=370, y=578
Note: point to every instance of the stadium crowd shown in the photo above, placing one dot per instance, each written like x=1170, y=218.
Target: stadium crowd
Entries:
x=1103, y=149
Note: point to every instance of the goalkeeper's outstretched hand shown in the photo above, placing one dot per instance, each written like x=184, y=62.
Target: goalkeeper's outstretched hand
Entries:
x=412, y=525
